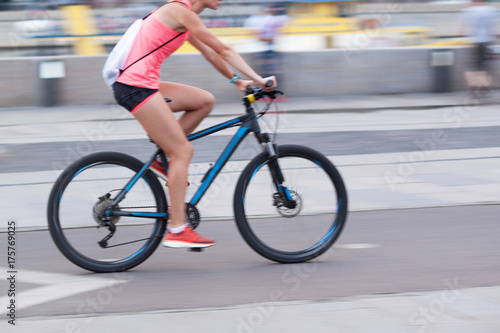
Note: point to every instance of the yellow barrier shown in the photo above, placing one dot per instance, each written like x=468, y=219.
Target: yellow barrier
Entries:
x=80, y=22
x=451, y=42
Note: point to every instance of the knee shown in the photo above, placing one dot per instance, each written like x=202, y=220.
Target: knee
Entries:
x=209, y=102
x=189, y=150
x=183, y=152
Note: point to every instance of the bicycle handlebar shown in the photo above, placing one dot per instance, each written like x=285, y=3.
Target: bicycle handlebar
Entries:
x=253, y=93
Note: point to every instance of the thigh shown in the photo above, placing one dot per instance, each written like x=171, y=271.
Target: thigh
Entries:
x=157, y=119
x=184, y=97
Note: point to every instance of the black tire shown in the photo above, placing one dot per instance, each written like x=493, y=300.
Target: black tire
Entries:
x=291, y=235
x=72, y=205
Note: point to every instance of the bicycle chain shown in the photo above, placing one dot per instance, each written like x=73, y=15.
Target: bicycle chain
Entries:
x=193, y=214
x=139, y=207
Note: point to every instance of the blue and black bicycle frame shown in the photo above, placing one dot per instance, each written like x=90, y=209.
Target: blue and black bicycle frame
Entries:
x=247, y=123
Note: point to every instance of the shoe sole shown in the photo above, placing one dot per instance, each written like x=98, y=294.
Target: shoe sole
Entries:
x=178, y=244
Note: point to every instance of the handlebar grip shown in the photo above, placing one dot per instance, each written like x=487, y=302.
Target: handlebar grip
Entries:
x=269, y=83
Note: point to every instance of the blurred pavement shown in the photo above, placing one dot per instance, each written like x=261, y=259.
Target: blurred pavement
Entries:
x=434, y=169
x=425, y=178
x=449, y=311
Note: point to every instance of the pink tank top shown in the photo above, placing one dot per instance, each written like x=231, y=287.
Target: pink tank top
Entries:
x=146, y=72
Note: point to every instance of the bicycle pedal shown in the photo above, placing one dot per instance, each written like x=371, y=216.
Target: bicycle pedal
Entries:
x=195, y=249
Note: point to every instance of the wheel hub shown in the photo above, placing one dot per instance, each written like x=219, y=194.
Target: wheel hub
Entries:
x=288, y=210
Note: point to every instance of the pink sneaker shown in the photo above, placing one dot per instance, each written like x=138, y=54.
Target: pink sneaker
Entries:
x=159, y=169
x=187, y=238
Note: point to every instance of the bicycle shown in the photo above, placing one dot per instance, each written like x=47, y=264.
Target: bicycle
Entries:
x=108, y=211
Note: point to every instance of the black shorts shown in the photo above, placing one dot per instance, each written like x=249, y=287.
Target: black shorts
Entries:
x=130, y=97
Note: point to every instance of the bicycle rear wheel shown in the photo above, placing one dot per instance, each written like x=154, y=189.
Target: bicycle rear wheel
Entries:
x=294, y=234
x=80, y=197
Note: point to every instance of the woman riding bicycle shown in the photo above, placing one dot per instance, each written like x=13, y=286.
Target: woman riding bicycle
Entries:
x=139, y=90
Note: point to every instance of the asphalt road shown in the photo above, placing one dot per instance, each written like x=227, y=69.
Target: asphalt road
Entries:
x=380, y=252
x=46, y=155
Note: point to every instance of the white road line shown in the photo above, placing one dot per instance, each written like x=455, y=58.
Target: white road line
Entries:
x=358, y=246
x=54, y=286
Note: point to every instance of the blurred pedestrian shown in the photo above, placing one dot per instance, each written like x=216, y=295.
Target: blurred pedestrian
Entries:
x=266, y=25
x=139, y=90
x=478, y=22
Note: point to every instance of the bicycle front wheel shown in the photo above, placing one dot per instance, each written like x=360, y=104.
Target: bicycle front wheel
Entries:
x=77, y=210
x=298, y=232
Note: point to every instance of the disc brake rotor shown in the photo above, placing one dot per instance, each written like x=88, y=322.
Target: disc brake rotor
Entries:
x=290, y=212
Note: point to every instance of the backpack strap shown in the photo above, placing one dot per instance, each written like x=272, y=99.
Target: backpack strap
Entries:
x=144, y=56
x=159, y=47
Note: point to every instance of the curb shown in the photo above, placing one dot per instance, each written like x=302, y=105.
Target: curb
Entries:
x=360, y=104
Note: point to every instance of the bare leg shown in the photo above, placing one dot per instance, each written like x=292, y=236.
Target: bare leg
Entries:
x=196, y=103
x=157, y=119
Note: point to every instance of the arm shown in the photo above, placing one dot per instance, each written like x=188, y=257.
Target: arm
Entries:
x=218, y=63
x=205, y=40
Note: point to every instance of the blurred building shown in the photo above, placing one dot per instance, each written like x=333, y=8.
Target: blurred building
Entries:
x=366, y=39
x=313, y=24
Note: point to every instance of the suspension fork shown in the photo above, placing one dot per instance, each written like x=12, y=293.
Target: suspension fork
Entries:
x=284, y=194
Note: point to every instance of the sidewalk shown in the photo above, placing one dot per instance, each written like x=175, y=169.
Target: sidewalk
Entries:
x=69, y=123
x=446, y=311
x=334, y=104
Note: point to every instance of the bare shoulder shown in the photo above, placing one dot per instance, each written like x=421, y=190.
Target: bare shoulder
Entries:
x=171, y=14
x=173, y=8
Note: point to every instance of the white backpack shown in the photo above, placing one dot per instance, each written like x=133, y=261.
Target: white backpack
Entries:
x=118, y=56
